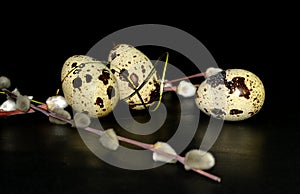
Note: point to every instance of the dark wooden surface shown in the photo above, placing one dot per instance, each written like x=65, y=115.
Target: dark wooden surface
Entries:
x=258, y=155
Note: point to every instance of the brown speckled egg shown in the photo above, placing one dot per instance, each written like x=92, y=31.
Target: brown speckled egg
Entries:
x=89, y=86
x=232, y=95
x=136, y=77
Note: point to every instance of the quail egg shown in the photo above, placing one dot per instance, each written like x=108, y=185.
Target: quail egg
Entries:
x=137, y=79
x=89, y=86
x=232, y=95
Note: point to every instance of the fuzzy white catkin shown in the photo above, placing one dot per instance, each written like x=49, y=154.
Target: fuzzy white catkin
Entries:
x=8, y=105
x=23, y=103
x=162, y=146
x=167, y=84
x=212, y=71
x=56, y=102
x=4, y=82
x=198, y=159
x=62, y=113
x=82, y=120
x=186, y=89
x=109, y=139
x=15, y=92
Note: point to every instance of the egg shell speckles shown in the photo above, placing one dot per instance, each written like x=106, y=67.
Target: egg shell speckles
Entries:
x=89, y=86
x=232, y=95
x=131, y=68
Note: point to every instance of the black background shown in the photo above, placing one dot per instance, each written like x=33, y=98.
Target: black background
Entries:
x=256, y=155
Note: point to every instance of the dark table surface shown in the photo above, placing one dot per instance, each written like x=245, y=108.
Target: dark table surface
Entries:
x=258, y=155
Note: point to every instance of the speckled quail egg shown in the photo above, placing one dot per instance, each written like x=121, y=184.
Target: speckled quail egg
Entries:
x=232, y=95
x=137, y=79
x=89, y=86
